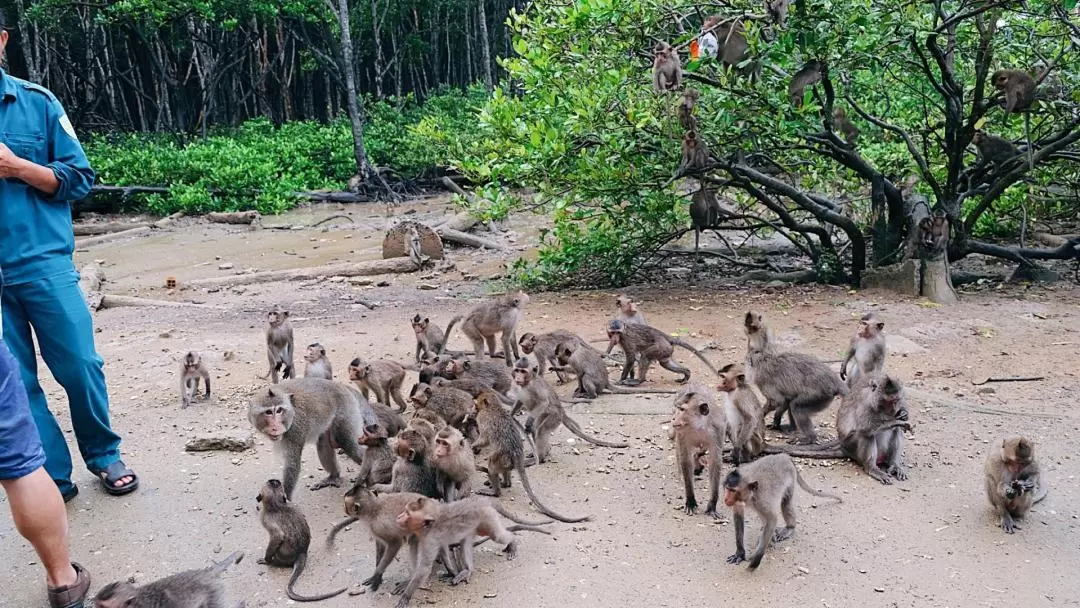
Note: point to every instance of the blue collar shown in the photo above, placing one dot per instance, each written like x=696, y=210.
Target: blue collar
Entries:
x=8, y=87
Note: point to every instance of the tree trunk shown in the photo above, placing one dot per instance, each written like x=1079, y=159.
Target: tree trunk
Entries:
x=485, y=44
x=355, y=109
x=376, y=26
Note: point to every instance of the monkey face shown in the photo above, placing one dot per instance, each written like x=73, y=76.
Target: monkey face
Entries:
x=753, y=322
x=272, y=416
x=563, y=353
x=1000, y=79
x=522, y=376
x=276, y=316
x=528, y=343
x=419, y=325
x=115, y=595
x=418, y=515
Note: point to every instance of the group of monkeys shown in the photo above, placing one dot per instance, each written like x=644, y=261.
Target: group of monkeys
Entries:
x=415, y=486
x=725, y=41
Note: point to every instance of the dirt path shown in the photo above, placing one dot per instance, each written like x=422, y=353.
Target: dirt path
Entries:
x=929, y=542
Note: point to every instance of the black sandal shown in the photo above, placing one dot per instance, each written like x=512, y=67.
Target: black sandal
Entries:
x=114, y=473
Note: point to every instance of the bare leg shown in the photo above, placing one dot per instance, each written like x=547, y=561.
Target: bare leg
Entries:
x=38, y=511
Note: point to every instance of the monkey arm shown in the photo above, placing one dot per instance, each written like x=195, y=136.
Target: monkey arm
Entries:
x=740, y=550
x=843, y=366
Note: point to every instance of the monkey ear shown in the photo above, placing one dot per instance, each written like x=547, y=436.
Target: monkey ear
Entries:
x=741, y=378
x=880, y=325
x=704, y=409
x=749, y=320
x=466, y=365
x=752, y=486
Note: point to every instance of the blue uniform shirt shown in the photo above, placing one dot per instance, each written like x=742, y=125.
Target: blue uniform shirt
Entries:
x=36, y=238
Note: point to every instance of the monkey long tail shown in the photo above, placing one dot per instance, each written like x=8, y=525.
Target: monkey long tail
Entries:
x=1040, y=494
x=822, y=452
x=338, y=527
x=575, y=428
x=622, y=390
x=678, y=342
x=514, y=528
x=298, y=569
x=810, y=489
x=514, y=518
x=539, y=505
x=446, y=334
x=219, y=567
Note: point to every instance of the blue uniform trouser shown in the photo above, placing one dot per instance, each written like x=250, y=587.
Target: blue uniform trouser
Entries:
x=56, y=310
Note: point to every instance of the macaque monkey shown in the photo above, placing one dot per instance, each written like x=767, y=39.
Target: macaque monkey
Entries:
x=1017, y=87
x=433, y=367
x=645, y=344
x=546, y=412
x=451, y=404
x=412, y=470
x=845, y=127
x=378, y=465
x=542, y=346
x=438, y=526
x=808, y=76
x=588, y=365
x=279, y=344
x=993, y=149
x=499, y=316
x=705, y=213
x=290, y=538
x=745, y=424
x=870, y=425
x=695, y=154
x=380, y=514
x=798, y=384
x=628, y=311
x=778, y=10
x=454, y=464
x=766, y=485
x=384, y=378
x=733, y=49
x=488, y=373
x=305, y=410
x=499, y=430
x=192, y=370
x=200, y=588
x=430, y=340
x=667, y=72
x=436, y=421
x=699, y=427
x=708, y=45
x=318, y=365
x=685, y=110
x=867, y=349
x=933, y=236
x=1013, y=483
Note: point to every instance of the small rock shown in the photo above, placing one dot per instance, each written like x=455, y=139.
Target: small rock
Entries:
x=337, y=279
x=427, y=286
x=229, y=355
x=804, y=570
x=987, y=390
x=879, y=589
x=360, y=281
x=383, y=284
x=233, y=442
x=225, y=266
x=167, y=333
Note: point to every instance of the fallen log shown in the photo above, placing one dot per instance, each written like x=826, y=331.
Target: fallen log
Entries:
x=798, y=276
x=332, y=196
x=107, y=238
x=345, y=269
x=97, y=229
x=126, y=191
x=237, y=217
x=462, y=238
x=165, y=222
x=109, y=300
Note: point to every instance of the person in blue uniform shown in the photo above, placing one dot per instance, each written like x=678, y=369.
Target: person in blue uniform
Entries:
x=42, y=170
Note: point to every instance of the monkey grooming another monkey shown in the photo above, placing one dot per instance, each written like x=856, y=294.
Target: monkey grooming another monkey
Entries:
x=993, y=149
x=767, y=485
x=742, y=410
x=454, y=464
x=1013, y=483
x=588, y=365
x=542, y=346
x=499, y=430
x=867, y=349
x=200, y=588
x=499, y=316
x=699, y=427
x=380, y=513
x=412, y=470
x=191, y=371
x=437, y=526
x=279, y=344
x=305, y=410
x=451, y=404
x=646, y=344
x=799, y=384
x=290, y=537
x=430, y=340
x=488, y=373
x=545, y=410
x=667, y=71
x=384, y=378
x=318, y=365
x=808, y=76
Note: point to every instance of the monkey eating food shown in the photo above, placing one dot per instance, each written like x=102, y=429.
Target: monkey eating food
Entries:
x=279, y=344
x=1013, y=482
x=191, y=371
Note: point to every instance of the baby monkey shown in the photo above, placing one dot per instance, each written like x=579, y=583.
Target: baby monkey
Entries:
x=867, y=349
x=767, y=485
x=200, y=588
x=279, y=344
x=191, y=372
x=1013, y=483
x=318, y=365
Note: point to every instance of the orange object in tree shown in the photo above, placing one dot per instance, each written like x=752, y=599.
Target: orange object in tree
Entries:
x=694, y=53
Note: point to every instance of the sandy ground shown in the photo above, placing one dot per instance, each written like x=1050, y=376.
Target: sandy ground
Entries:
x=929, y=542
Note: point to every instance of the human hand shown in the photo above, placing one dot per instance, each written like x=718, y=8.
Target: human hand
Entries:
x=10, y=164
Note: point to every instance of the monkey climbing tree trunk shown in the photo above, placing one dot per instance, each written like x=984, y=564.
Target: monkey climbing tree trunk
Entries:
x=355, y=109
x=485, y=46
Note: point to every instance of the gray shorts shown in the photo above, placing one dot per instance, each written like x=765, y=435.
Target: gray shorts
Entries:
x=20, y=445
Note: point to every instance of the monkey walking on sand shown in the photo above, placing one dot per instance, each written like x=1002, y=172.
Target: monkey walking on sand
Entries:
x=499, y=316
x=191, y=371
x=699, y=427
x=767, y=486
x=201, y=588
x=290, y=538
x=645, y=344
x=279, y=344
